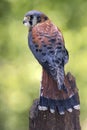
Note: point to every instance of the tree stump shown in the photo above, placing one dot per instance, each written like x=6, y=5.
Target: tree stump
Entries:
x=45, y=120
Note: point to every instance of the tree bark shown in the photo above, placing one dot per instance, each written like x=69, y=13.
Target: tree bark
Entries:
x=44, y=120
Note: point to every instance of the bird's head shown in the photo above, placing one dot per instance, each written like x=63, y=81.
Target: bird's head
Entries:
x=34, y=17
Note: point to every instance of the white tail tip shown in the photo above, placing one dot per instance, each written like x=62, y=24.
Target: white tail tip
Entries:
x=52, y=110
x=77, y=107
x=69, y=110
x=61, y=113
x=42, y=108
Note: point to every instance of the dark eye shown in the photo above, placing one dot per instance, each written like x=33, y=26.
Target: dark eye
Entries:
x=31, y=17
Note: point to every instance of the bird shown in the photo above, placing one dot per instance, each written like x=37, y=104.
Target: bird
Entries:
x=47, y=44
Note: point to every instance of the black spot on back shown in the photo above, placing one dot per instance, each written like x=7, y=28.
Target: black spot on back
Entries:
x=52, y=40
x=51, y=51
x=36, y=50
x=59, y=47
x=36, y=45
x=57, y=61
x=44, y=45
x=49, y=47
x=43, y=53
x=59, y=43
x=40, y=50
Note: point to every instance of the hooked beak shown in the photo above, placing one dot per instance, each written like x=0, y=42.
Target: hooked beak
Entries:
x=25, y=22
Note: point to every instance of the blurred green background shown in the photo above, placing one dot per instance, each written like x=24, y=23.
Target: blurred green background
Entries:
x=20, y=73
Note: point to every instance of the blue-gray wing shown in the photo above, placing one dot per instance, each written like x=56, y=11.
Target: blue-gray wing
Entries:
x=52, y=58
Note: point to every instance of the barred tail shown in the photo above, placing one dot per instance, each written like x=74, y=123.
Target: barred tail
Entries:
x=61, y=105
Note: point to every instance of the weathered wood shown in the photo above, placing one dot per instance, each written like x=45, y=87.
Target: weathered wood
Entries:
x=44, y=120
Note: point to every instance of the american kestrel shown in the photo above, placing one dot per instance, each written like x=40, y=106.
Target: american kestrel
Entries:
x=47, y=45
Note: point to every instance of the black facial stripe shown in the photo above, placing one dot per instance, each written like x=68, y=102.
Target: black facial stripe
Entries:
x=31, y=19
x=30, y=22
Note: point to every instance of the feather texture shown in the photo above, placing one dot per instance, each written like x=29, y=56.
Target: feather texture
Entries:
x=47, y=44
x=58, y=91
